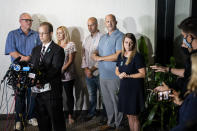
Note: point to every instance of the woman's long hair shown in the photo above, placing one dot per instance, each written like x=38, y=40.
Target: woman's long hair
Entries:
x=134, y=47
x=192, y=85
x=66, y=34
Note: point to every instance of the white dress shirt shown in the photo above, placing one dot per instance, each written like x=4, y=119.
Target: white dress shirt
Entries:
x=89, y=46
x=47, y=86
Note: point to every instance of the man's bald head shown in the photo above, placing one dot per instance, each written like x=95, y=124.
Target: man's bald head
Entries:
x=110, y=22
x=25, y=21
x=92, y=25
x=93, y=20
x=24, y=15
x=110, y=16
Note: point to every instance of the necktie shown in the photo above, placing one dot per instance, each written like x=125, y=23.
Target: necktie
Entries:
x=42, y=54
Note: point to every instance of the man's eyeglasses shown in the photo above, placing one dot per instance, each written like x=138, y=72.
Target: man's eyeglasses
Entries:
x=43, y=33
x=27, y=20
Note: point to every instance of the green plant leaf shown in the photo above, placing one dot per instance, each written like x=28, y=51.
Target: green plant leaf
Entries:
x=162, y=116
x=151, y=116
x=172, y=61
x=143, y=49
x=158, y=113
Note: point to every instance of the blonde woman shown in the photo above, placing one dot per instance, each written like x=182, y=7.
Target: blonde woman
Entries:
x=188, y=110
x=68, y=73
x=130, y=68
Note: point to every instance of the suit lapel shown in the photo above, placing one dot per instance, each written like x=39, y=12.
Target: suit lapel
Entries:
x=49, y=49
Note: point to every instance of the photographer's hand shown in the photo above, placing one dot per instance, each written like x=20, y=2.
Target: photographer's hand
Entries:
x=160, y=68
x=162, y=88
x=175, y=97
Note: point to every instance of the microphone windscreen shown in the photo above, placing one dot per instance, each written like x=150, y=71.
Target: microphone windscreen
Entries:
x=17, y=59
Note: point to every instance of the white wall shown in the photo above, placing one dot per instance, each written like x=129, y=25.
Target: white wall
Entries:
x=136, y=16
x=182, y=11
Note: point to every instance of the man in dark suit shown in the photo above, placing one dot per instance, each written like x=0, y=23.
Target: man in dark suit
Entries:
x=48, y=58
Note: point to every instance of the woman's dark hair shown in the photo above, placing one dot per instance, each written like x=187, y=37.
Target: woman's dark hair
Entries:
x=131, y=36
x=189, y=25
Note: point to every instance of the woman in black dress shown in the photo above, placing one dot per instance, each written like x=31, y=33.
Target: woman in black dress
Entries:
x=130, y=68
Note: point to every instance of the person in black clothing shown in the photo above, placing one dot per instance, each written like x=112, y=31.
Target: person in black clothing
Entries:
x=130, y=68
x=188, y=109
x=187, y=85
x=189, y=31
x=49, y=58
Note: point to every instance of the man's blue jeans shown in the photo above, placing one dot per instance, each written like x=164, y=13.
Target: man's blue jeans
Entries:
x=20, y=106
x=93, y=86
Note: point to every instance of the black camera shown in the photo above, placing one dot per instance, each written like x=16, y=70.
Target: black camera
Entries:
x=163, y=95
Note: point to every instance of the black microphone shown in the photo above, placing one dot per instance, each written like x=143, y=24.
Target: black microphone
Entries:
x=17, y=59
x=10, y=68
x=6, y=74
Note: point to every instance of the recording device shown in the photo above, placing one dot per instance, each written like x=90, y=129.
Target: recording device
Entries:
x=10, y=68
x=22, y=74
x=164, y=95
